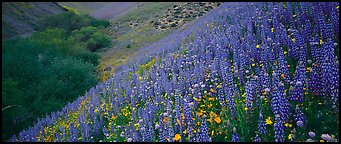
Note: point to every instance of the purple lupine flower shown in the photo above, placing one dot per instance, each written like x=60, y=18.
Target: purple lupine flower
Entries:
x=221, y=97
x=257, y=138
x=203, y=136
x=235, y=137
x=250, y=89
x=279, y=129
x=299, y=82
x=299, y=116
x=261, y=125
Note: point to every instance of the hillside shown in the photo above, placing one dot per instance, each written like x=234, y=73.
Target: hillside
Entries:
x=21, y=18
x=146, y=23
x=244, y=72
x=85, y=7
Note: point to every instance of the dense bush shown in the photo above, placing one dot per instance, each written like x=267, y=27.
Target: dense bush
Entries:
x=39, y=78
x=52, y=67
x=92, y=37
x=70, y=21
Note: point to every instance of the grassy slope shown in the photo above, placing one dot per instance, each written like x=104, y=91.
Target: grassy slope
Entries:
x=85, y=7
x=136, y=37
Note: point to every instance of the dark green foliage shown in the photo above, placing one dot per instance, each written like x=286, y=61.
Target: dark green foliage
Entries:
x=39, y=78
x=52, y=67
x=70, y=21
x=129, y=46
x=92, y=37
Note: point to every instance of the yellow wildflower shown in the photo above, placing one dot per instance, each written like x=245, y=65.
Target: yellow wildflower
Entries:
x=321, y=42
x=285, y=52
x=268, y=121
x=290, y=136
x=48, y=139
x=293, y=40
x=184, y=132
x=243, y=95
x=282, y=75
x=253, y=64
x=321, y=140
x=177, y=137
x=288, y=125
x=196, y=99
x=177, y=120
x=246, y=108
x=272, y=29
x=212, y=90
x=308, y=69
x=217, y=119
x=199, y=113
x=212, y=133
x=210, y=99
x=257, y=46
x=212, y=114
x=137, y=126
x=113, y=117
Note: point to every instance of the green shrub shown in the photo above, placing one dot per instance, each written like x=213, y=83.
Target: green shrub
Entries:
x=70, y=21
x=43, y=72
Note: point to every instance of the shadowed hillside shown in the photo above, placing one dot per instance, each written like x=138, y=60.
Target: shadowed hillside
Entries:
x=21, y=18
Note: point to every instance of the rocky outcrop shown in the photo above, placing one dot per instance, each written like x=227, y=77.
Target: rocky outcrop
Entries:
x=182, y=13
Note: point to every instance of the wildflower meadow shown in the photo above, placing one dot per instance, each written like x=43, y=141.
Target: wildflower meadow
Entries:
x=244, y=72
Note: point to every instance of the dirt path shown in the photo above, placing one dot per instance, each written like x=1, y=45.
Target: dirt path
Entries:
x=113, y=10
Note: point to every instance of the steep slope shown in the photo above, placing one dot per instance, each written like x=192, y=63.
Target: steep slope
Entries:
x=21, y=18
x=85, y=7
x=236, y=75
x=113, y=10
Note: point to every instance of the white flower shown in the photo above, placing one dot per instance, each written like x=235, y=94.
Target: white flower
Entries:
x=327, y=137
x=196, y=85
x=191, y=104
x=298, y=83
x=311, y=134
x=299, y=123
x=129, y=140
x=142, y=128
x=157, y=126
x=309, y=140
